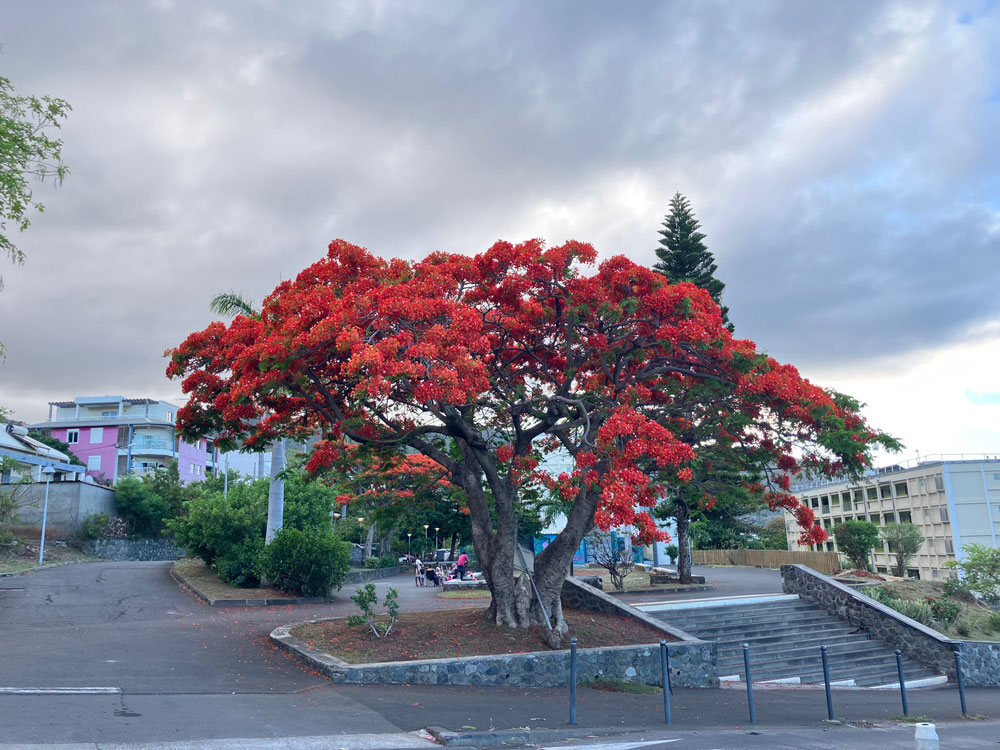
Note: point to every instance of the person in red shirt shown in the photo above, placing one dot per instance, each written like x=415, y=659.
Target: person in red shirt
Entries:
x=463, y=560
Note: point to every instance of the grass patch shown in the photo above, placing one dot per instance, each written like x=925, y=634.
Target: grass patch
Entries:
x=622, y=686
x=22, y=554
x=465, y=594
x=464, y=632
x=975, y=621
x=199, y=576
x=912, y=719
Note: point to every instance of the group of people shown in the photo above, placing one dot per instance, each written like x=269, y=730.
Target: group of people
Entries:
x=435, y=575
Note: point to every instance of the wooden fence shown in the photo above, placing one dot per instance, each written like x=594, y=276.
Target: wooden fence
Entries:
x=822, y=562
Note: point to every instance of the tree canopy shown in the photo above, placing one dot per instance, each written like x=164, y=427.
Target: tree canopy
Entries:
x=483, y=363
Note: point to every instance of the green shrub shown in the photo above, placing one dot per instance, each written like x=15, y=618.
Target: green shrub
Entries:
x=919, y=611
x=95, y=526
x=964, y=627
x=993, y=622
x=881, y=594
x=980, y=571
x=380, y=562
x=305, y=563
x=214, y=523
x=240, y=565
x=672, y=551
x=142, y=507
x=944, y=610
x=954, y=588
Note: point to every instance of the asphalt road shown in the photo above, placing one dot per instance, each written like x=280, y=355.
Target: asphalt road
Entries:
x=184, y=670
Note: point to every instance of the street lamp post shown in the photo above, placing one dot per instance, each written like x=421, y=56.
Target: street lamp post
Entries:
x=361, y=528
x=427, y=526
x=436, y=530
x=408, y=535
x=48, y=471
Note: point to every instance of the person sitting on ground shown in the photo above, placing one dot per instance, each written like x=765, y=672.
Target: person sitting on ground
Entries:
x=463, y=560
x=418, y=572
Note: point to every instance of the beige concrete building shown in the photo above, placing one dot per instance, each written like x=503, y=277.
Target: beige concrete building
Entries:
x=954, y=500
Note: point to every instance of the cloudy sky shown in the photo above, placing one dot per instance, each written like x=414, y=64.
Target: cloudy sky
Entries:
x=842, y=157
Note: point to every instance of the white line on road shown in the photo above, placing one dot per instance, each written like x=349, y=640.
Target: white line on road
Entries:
x=60, y=691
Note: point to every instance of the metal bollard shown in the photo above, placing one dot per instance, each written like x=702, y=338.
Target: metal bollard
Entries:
x=665, y=668
x=826, y=679
x=572, y=680
x=925, y=737
x=902, y=681
x=961, y=681
x=746, y=669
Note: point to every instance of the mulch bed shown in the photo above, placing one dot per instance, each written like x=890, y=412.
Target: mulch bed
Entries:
x=465, y=632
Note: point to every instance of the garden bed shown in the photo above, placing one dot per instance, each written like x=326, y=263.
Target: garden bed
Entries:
x=636, y=582
x=466, y=632
x=204, y=580
x=974, y=620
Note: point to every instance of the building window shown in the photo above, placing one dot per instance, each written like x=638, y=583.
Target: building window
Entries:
x=905, y=517
x=939, y=484
x=949, y=547
x=72, y=437
x=922, y=484
x=873, y=493
x=858, y=496
x=885, y=490
x=96, y=435
x=944, y=515
x=109, y=414
x=902, y=490
x=927, y=515
x=93, y=463
x=192, y=468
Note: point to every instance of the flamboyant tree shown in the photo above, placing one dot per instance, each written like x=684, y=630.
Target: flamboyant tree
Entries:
x=478, y=363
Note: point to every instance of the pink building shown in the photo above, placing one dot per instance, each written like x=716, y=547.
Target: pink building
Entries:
x=116, y=437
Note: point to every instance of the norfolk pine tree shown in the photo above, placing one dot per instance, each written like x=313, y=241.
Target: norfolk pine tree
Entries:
x=683, y=255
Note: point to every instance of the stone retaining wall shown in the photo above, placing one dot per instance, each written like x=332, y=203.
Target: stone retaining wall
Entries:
x=981, y=660
x=373, y=574
x=133, y=549
x=692, y=664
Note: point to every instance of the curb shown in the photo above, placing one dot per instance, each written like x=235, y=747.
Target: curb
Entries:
x=510, y=737
x=46, y=567
x=204, y=599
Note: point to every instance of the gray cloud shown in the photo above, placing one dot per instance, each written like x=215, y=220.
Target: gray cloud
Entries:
x=838, y=154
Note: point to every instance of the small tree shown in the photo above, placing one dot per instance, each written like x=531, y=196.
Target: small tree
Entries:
x=857, y=539
x=671, y=550
x=980, y=571
x=608, y=551
x=366, y=599
x=904, y=541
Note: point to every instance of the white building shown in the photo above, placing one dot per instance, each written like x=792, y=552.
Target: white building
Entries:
x=954, y=500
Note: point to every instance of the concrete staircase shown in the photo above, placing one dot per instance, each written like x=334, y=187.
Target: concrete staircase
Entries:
x=785, y=634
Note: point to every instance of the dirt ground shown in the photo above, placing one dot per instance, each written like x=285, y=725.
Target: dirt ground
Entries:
x=23, y=554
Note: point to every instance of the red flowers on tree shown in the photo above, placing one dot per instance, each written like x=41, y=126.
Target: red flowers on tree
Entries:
x=481, y=363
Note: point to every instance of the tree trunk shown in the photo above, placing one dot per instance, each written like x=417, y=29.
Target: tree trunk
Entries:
x=369, y=540
x=385, y=542
x=683, y=518
x=275, y=492
x=454, y=541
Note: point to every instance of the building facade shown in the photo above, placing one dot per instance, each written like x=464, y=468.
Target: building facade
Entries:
x=116, y=437
x=955, y=502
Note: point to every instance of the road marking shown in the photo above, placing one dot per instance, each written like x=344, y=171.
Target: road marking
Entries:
x=60, y=691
